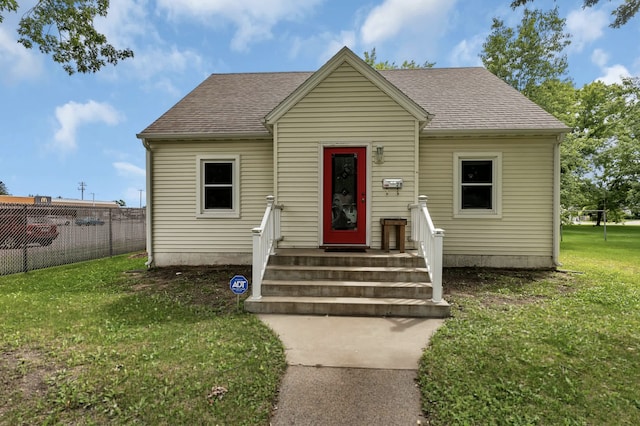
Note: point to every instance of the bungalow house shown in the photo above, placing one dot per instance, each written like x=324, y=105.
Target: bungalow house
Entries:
x=340, y=150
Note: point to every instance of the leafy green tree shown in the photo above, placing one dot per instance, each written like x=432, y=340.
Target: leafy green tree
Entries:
x=65, y=30
x=3, y=189
x=622, y=14
x=371, y=59
x=605, y=140
x=531, y=54
x=121, y=203
x=600, y=158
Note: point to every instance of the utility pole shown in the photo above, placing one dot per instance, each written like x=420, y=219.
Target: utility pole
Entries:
x=81, y=188
x=140, y=190
x=93, y=194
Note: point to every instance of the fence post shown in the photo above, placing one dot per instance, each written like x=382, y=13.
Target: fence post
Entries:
x=110, y=235
x=25, y=259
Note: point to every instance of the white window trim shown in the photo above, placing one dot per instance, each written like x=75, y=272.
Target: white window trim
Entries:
x=201, y=213
x=496, y=202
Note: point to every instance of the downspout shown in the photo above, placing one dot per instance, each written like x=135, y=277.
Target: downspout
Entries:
x=556, y=200
x=416, y=176
x=148, y=197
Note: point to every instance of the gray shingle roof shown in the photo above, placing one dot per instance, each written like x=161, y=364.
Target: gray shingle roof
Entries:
x=460, y=98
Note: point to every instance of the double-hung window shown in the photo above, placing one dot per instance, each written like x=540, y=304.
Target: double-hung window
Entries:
x=477, y=187
x=218, y=186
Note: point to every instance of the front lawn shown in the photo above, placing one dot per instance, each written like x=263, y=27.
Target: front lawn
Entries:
x=542, y=347
x=107, y=342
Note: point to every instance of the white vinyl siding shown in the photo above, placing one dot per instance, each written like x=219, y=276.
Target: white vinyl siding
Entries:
x=525, y=227
x=344, y=109
x=177, y=230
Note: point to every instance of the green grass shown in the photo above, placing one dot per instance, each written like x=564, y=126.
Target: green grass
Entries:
x=91, y=344
x=545, y=347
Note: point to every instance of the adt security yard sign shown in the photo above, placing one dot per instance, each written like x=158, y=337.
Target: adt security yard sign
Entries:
x=239, y=284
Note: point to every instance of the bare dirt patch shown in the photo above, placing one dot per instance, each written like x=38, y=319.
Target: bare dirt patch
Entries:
x=23, y=375
x=487, y=285
x=197, y=285
x=209, y=285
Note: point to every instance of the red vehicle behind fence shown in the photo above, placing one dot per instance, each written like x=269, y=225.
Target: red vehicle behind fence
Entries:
x=17, y=231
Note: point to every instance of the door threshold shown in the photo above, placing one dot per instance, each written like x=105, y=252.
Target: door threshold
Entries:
x=344, y=248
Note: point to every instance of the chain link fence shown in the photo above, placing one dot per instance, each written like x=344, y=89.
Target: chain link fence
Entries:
x=34, y=237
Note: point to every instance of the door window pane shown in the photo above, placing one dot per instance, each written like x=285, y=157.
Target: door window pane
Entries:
x=343, y=187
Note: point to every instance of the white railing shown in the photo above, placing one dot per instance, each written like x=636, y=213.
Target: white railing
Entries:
x=429, y=241
x=264, y=242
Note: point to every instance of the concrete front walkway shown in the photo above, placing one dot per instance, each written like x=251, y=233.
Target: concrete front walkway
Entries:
x=350, y=370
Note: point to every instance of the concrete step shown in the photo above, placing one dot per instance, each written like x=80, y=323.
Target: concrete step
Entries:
x=345, y=273
x=317, y=288
x=370, y=258
x=374, y=283
x=348, y=306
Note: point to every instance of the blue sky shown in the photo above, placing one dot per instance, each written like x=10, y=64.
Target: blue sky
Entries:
x=58, y=130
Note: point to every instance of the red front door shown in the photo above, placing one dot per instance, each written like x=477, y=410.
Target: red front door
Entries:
x=344, y=206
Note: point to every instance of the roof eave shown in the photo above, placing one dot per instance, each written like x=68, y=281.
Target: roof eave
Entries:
x=496, y=132
x=204, y=136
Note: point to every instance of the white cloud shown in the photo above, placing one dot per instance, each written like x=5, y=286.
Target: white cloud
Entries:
x=17, y=62
x=586, y=26
x=393, y=17
x=166, y=85
x=157, y=66
x=72, y=115
x=614, y=74
x=345, y=38
x=407, y=29
x=610, y=74
x=157, y=60
x=600, y=57
x=466, y=52
x=253, y=19
x=327, y=44
x=128, y=169
x=126, y=20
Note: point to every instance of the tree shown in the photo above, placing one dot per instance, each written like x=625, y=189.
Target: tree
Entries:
x=65, y=30
x=371, y=59
x=621, y=14
x=604, y=143
x=530, y=55
x=600, y=158
x=121, y=203
x=3, y=189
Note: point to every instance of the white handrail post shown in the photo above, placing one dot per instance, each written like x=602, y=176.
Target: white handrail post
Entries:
x=436, y=266
x=271, y=235
x=256, y=274
x=277, y=232
x=264, y=239
x=423, y=227
x=270, y=201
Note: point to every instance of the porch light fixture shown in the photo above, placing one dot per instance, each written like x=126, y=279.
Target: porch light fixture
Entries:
x=379, y=156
